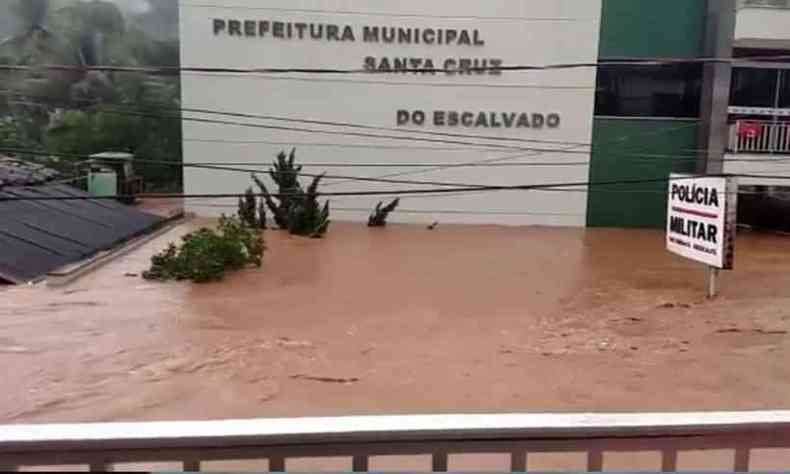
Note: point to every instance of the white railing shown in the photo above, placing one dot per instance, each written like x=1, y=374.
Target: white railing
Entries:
x=763, y=4
x=100, y=446
x=769, y=137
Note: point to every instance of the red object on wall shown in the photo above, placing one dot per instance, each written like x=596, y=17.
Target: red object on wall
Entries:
x=749, y=129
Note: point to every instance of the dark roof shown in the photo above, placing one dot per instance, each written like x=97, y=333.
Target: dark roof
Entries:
x=37, y=237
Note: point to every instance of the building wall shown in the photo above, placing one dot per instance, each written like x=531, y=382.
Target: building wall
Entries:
x=662, y=147
x=643, y=29
x=517, y=32
x=649, y=28
x=771, y=24
x=758, y=164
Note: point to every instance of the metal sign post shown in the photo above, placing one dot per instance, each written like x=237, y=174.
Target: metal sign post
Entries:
x=713, y=282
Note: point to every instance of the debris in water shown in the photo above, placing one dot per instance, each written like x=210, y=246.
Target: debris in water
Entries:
x=290, y=343
x=674, y=305
x=14, y=350
x=729, y=331
x=433, y=226
x=770, y=332
x=326, y=379
x=71, y=292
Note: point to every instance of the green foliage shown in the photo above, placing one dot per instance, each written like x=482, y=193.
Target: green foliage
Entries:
x=306, y=217
x=285, y=172
x=285, y=175
x=278, y=209
x=207, y=254
x=94, y=33
x=379, y=216
x=251, y=213
x=294, y=209
x=9, y=134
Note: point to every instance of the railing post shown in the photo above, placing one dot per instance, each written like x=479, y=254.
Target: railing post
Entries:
x=772, y=137
x=734, y=136
x=360, y=464
x=595, y=460
x=669, y=460
x=742, y=459
x=439, y=462
x=518, y=461
x=277, y=464
x=100, y=466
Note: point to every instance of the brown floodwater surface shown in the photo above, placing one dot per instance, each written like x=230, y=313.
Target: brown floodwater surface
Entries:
x=406, y=320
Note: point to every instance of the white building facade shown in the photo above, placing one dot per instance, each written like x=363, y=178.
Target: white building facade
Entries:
x=430, y=117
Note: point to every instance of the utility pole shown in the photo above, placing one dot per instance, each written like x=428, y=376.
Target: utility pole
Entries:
x=716, y=80
x=716, y=84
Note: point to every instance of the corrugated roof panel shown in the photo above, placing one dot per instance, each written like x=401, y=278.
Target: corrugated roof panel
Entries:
x=37, y=237
x=21, y=262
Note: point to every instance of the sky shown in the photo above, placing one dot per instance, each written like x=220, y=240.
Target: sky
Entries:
x=132, y=6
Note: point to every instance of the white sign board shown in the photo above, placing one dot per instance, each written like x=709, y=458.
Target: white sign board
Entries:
x=701, y=219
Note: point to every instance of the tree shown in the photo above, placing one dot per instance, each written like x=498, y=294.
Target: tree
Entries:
x=251, y=211
x=88, y=111
x=306, y=217
x=285, y=175
x=294, y=209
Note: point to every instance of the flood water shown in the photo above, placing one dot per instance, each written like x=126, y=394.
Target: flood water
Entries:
x=406, y=320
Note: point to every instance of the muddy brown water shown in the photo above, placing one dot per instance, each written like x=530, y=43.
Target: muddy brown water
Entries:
x=461, y=319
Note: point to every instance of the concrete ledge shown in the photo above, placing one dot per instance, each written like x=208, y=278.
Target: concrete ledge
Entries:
x=70, y=273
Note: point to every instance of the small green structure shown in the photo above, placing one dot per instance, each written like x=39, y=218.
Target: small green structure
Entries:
x=112, y=174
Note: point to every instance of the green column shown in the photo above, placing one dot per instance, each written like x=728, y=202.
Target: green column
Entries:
x=626, y=150
x=630, y=148
x=652, y=28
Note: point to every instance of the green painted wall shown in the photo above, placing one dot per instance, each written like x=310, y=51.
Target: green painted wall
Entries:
x=614, y=145
x=652, y=28
x=647, y=29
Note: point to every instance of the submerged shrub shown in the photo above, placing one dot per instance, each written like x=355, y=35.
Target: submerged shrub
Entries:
x=207, y=254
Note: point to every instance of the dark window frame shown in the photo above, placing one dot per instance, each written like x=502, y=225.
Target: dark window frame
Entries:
x=671, y=91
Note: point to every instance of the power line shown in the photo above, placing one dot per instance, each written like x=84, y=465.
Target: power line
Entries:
x=520, y=155
x=381, y=178
x=162, y=107
x=338, y=145
x=175, y=70
x=406, y=83
x=498, y=159
x=242, y=170
x=432, y=211
x=364, y=126
x=334, y=132
x=526, y=187
x=309, y=130
x=372, y=127
x=567, y=150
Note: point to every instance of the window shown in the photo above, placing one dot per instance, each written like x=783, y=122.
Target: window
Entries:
x=649, y=91
x=753, y=87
